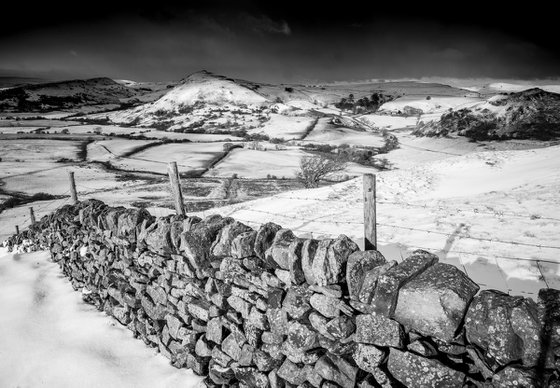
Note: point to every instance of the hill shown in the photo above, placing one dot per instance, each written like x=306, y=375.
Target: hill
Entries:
x=63, y=95
x=529, y=114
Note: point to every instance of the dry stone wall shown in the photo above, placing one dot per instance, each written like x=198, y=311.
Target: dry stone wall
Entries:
x=263, y=308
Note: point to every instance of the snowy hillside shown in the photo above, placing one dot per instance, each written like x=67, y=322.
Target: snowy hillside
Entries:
x=200, y=97
x=530, y=114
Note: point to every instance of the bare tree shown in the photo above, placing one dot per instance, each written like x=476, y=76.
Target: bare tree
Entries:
x=313, y=168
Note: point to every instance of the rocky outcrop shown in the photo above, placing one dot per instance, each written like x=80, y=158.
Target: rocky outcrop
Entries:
x=530, y=114
x=264, y=308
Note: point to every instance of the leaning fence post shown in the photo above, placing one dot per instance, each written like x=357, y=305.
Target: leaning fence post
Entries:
x=73, y=192
x=17, y=229
x=370, y=219
x=176, y=188
x=32, y=215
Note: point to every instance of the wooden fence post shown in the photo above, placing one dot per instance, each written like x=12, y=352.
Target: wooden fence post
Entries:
x=32, y=215
x=176, y=188
x=370, y=218
x=73, y=192
x=17, y=229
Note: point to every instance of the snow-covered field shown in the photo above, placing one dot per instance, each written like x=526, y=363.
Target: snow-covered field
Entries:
x=51, y=338
x=285, y=127
x=30, y=150
x=328, y=133
x=248, y=163
x=108, y=149
x=490, y=213
x=388, y=122
x=189, y=156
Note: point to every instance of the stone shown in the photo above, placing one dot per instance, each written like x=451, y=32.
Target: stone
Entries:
x=516, y=376
x=265, y=362
x=297, y=301
x=196, y=243
x=220, y=375
x=292, y=373
x=220, y=357
x=333, y=290
x=278, y=320
x=264, y=238
x=278, y=254
x=319, y=323
x=251, y=377
x=252, y=333
x=384, y=300
x=294, y=261
x=422, y=348
x=154, y=311
x=506, y=327
x=359, y=263
x=174, y=324
x=337, y=369
x=340, y=328
x=434, y=302
x=202, y=348
x=308, y=250
x=232, y=345
x=416, y=371
x=376, y=329
x=157, y=293
x=368, y=357
x=258, y=319
x=274, y=380
x=326, y=305
x=222, y=246
x=158, y=237
x=199, y=309
x=480, y=365
x=246, y=356
x=301, y=336
x=269, y=337
x=215, y=330
x=283, y=275
x=383, y=379
x=199, y=365
x=549, y=316
x=241, y=306
x=231, y=269
x=243, y=244
x=329, y=263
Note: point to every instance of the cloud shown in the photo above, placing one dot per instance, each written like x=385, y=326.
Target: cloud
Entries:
x=263, y=23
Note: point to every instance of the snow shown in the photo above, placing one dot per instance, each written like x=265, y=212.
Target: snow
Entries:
x=189, y=156
x=433, y=105
x=249, y=163
x=33, y=150
x=489, y=213
x=513, y=87
x=54, y=179
x=115, y=130
x=388, y=121
x=108, y=149
x=209, y=89
x=51, y=338
x=334, y=135
x=285, y=127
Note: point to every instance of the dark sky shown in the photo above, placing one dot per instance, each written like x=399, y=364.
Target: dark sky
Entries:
x=280, y=41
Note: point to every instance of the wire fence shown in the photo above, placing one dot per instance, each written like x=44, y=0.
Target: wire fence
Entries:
x=545, y=270
x=323, y=214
